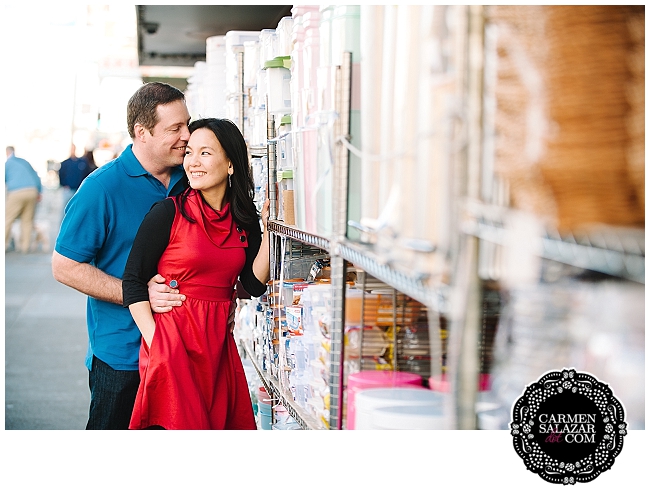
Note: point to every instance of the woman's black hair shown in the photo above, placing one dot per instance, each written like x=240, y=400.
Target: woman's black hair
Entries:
x=240, y=194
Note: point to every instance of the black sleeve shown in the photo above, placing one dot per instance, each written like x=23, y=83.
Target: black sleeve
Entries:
x=150, y=243
x=248, y=279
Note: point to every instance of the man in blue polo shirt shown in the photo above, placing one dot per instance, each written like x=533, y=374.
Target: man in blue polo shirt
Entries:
x=98, y=229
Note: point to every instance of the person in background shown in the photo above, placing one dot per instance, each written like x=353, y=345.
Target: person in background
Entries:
x=90, y=158
x=72, y=173
x=202, y=241
x=23, y=192
x=96, y=235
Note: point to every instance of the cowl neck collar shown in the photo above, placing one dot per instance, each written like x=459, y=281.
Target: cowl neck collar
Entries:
x=218, y=225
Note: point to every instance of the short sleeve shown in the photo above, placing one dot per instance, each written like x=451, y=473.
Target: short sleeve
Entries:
x=81, y=234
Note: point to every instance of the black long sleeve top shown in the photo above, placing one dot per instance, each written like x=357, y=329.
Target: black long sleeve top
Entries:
x=152, y=240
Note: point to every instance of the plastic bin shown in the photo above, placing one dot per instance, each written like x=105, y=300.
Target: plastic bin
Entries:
x=407, y=418
x=278, y=76
x=375, y=379
x=370, y=400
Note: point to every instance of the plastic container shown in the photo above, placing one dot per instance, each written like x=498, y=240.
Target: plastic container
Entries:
x=346, y=29
x=234, y=45
x=278, y=76
x=251, y=62
x=283, y=31
x=408, y=418
x=300, y=10
x=286, y=209
x=325, y=29
x=375, y=379
x=268, y=44
x=265, y=420
x=215, y=50
x=311, y=61
x=367, y=401
x=309, y=163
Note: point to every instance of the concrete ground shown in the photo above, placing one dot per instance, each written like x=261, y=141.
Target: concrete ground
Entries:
x=46, y=381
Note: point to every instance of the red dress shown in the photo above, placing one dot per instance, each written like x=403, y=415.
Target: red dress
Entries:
x=192, y=376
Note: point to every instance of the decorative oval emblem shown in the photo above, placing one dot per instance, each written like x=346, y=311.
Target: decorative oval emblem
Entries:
x=568, y=427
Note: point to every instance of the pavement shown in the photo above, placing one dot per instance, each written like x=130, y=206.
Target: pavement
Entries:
x=46, y=381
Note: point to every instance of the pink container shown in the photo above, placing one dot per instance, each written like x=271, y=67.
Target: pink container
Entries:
x=309, y=148
x=441, y=384
x=298, y=10
x=376, y=379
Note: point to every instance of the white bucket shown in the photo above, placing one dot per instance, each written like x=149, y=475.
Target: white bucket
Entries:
x=369, y=400
x=427, y=417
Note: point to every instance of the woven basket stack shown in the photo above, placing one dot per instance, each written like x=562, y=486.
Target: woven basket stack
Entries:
x=570, y=112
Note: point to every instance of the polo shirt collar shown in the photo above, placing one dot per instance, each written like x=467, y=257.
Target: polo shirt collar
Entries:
x=133, y=167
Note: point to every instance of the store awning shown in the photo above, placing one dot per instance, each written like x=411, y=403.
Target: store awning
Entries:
x=174, y=35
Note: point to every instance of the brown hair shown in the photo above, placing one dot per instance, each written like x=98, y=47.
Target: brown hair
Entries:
x=142, y=106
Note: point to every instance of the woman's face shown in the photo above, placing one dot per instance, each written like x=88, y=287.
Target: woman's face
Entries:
x=206, y=163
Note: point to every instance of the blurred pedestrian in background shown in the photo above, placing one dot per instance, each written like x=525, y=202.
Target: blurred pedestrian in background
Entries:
x=23, y=188
x=90, y=158
x=71, y=174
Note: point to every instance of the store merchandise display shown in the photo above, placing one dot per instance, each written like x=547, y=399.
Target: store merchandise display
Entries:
x=473, y=156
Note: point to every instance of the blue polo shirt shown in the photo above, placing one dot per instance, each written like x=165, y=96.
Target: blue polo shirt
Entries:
x=99, y=226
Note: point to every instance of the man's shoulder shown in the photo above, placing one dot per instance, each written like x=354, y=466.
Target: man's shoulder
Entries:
x=109, y=171
x=17, y=160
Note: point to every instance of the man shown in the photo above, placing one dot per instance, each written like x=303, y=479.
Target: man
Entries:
x=72, y=173
x=95, y=239
x=24, y=189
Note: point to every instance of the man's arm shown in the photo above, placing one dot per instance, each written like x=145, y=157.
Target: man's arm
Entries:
x=86, y=279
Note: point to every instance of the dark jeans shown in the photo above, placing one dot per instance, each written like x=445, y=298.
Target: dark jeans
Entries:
x=112, y=395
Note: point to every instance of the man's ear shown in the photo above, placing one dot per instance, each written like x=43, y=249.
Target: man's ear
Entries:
x=139, y=132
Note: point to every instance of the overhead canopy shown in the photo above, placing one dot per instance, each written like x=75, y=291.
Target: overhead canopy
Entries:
x=174, y=35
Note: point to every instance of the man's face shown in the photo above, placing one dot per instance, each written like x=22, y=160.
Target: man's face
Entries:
x=169, y=137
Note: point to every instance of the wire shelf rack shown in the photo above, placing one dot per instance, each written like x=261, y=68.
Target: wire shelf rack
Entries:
x=272, y=386
x=615, y=251
x=298, y=235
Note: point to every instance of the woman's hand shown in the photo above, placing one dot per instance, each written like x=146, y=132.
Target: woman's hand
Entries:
x=163, y=298
x=261, y=262
x=265, y=214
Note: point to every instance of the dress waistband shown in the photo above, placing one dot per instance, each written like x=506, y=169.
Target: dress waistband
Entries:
x=204, y=292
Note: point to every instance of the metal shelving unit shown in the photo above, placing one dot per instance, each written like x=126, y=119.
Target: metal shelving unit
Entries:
x=298, y=235
x=417, y=288
x=616, y=252
x=273, y=388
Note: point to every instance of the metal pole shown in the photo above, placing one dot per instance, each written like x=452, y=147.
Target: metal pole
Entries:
x=339, y=228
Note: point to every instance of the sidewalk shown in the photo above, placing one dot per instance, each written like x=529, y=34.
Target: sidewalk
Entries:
x=46, y=382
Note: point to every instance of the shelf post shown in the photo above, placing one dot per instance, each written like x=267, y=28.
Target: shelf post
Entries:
x=339, y=228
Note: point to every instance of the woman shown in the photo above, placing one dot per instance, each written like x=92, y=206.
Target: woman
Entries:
x=201, y=242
